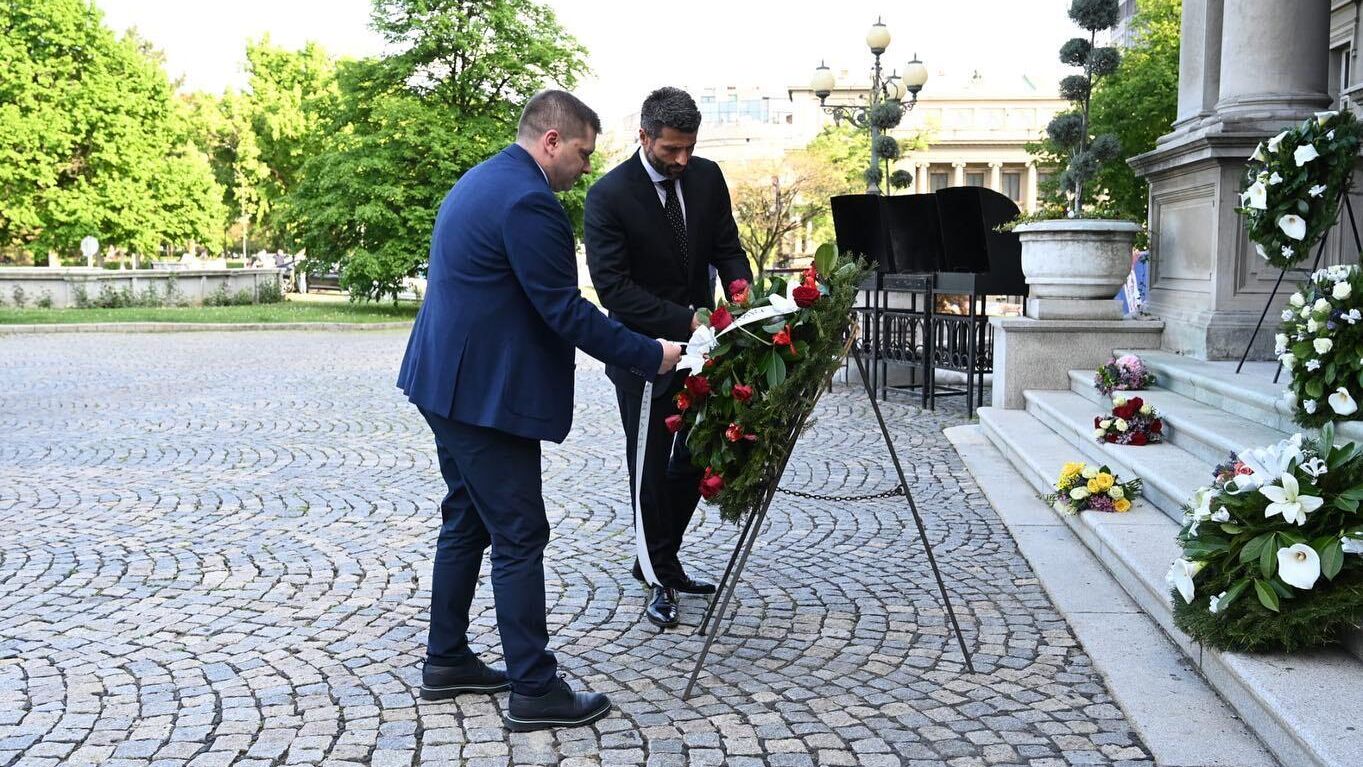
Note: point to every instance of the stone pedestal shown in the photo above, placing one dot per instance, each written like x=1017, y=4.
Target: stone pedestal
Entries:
x=1247, y=68
x=1038, y=354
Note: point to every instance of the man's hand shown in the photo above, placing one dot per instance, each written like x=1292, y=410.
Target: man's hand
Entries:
x=671, y=355
x=695, y=321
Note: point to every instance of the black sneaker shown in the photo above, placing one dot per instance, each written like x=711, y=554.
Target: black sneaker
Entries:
x=560, y=707
x=441, y=682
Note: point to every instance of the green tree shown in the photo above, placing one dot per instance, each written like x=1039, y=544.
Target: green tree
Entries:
x=91, y=140
x=408, y=125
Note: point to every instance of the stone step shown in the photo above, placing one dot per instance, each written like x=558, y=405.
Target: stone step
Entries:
x=1170, y=473
x=1207, y=432
x=1250, y=394
x=1307, y=708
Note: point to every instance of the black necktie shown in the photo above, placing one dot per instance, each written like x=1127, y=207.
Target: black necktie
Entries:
x=672, y=206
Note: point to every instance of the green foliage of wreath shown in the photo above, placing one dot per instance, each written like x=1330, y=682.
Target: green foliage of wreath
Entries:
x=1294, y=183
x=760, y=381
x=1233, y=547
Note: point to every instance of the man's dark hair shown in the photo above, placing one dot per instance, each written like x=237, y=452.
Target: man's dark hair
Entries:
x=669, y=107
x=557, y=110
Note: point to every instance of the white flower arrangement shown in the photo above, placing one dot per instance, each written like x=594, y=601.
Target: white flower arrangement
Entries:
x=1294, y=183
x=1322, y=345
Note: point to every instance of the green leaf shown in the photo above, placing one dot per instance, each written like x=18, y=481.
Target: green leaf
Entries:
x=1267, y=596
x=1231, y=529
x=1268, y=557
x=1314, y=388
x=1331, y=559
x=775, y=327
x=1252, y=549
x=1234, y=592
x=775, y=369
x=825, y=257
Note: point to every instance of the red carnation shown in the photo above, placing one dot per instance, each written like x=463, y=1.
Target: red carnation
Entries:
x=683, y=400
x=721, y=319
x=674, y=423
x=699, y=386
x=742, y=393
x=711, y=484
x=738, y=291
x=805, y=296
x=1139, y=438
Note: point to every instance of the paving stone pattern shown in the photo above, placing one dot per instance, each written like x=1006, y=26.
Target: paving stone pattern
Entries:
x=216, y=550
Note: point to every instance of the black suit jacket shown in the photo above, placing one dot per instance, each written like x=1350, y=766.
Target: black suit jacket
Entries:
x=633, y=257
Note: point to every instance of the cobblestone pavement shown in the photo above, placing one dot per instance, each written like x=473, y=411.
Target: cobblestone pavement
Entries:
x=216, y=550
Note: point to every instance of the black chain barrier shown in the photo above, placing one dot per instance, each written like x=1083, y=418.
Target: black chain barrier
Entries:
x=896, y=491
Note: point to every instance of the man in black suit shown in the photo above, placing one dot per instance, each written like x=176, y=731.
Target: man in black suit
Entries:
x=654, y=225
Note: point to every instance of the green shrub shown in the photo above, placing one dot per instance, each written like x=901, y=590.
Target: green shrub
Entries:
x=82, y=296
x=45, y=300
x=19, y=297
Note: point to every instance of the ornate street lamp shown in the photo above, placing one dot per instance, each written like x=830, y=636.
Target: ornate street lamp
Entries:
x=885, y=106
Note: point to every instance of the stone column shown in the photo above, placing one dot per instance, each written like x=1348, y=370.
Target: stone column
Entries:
x=1031, y=193
x=958, y=177
x=996, y=176
x=922, y=177
x=1205, y=281
x=1274, y=61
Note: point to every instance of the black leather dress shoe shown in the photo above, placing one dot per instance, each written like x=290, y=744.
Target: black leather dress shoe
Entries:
x=560, y=707
x=686, y=585
x=441, y=682
x=661, y=609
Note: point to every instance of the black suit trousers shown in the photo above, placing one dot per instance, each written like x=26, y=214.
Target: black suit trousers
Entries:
x=671, y=486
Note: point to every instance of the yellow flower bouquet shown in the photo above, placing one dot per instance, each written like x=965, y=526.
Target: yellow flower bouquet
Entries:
x=1082, y=487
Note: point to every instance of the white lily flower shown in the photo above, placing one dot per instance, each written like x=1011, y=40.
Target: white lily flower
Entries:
x=1293, y=226
x=1288, y=252
x=1316, y=190
x=1324, y=117
x=1323, y=345
x=1313, y=365
x=1304, y=154
x=1299, y=566
x=1221, y=515
x=1266, y=464
x=1275, y=141
x=1287, y=500
x=1341, y=291
x=1342, y=403
x=1351, y=545
x=1309, y=406
x=1180, y=576
x=1214, y=603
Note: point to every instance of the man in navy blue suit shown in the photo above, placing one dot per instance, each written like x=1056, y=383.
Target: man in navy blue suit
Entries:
x=490, y=366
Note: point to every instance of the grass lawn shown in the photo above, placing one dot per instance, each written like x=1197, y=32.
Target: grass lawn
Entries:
x=288, y=311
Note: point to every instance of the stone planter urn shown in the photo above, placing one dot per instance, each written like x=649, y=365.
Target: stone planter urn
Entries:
x=1074, y=267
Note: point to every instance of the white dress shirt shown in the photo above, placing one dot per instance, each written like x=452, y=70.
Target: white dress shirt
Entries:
x=658, y=180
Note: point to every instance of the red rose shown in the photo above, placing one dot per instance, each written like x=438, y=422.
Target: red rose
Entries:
x=742, y=393
x=738, y=291
x=809, y=274
x=699, y=386
x=674, y=423
x=805, y=296
x=721, y=319
x=683, y=400
x=1139, y=438
x=710, y=484
x=1157, y=426
x=1110, y=437
x=734, y=433
x=1241, y=468
x=1097, y=419
x=783, y=339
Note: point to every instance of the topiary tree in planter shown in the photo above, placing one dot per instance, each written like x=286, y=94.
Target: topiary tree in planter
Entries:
x=1070, y=130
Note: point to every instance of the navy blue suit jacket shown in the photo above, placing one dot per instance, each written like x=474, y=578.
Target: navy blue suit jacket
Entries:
x=493, y=343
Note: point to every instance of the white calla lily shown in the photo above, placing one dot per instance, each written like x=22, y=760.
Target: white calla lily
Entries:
x=1304, y=154
x=1274, y=142
x=1180, y=576
x=1259, y=153
x=1299, y=566
x=1324, y=117
x=1256, y=196
x=1342, y=403
x=1288, y=501
x=1266, y=464
x=1293, y=226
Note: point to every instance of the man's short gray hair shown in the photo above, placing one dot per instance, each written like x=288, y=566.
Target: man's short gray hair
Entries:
x=557, y=110
x=669, y=107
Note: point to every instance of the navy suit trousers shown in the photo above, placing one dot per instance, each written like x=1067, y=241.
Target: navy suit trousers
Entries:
x=494, y=499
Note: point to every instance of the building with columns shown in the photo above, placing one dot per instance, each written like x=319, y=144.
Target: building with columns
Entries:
x=1247, y=68
x=977, y=128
